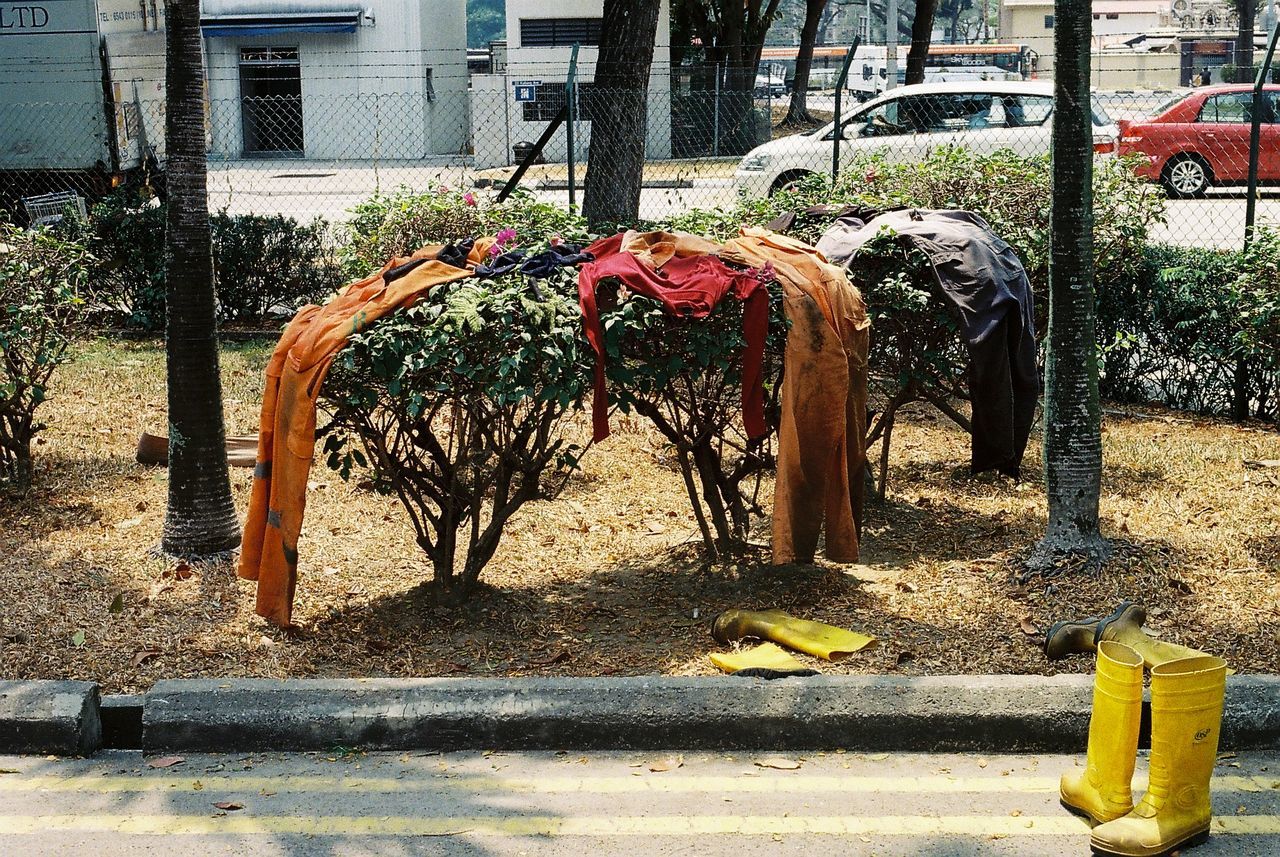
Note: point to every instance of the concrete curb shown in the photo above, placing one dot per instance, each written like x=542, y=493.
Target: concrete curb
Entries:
x=59, y=717
x=871, y=713
x=883, y=713
x=874, y=713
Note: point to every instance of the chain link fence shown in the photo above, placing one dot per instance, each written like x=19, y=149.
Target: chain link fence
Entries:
x=280, y=150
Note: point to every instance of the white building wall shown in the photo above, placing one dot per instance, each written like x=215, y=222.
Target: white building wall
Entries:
x=497, y=120
x=365, y=94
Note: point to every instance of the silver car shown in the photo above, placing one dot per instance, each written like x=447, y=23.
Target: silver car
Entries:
x=906, y=123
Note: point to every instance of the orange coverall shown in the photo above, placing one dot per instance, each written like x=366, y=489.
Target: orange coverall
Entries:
x=287, y=427
x=823, y=426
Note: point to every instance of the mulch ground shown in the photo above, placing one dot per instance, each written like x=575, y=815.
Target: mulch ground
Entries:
x=607, y=579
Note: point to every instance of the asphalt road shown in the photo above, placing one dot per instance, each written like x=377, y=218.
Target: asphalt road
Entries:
x=344, y=803
x=307, y=189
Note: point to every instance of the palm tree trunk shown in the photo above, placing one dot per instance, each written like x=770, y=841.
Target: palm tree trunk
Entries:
x=1072, y=416
x=618, y=111
x=798, y=112
x=201, y=518
x=921, y=34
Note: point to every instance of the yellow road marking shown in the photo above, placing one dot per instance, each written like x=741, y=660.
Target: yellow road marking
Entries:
x=646, y=783
x=696, y=825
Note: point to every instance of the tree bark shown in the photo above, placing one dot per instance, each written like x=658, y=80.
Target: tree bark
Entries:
x=733, y=34
x=1072, y=416
x=798, y=111
x=1246, y=12
x=201, y=517
x=618, y=111
x=921, y=33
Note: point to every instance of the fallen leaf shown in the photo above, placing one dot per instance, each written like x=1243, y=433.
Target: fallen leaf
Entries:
x=668, y=764
x=77, y=639
x=197, y=786
x=982, y=763
x=559, y=657
x=778, y=763
x=655, y=527
x=117, y=604
x=9, y=771
x=128, y=524
x=139, y=658
x=904, y=586
x=877, y=757
x=1260, y=463
x=165, y=762
x=229, y=806
x=1028, y=627
x=180, y=571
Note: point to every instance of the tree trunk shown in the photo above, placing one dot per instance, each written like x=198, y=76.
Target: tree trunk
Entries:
x=921, y=32
x=618, y=112
x=201, y=518
x=1072, y=416
x=798, y=112
x=1246, y=11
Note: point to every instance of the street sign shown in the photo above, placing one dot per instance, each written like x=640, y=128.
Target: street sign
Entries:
x=527, y=90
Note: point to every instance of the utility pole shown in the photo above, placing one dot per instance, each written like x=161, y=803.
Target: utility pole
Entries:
x=891, y=45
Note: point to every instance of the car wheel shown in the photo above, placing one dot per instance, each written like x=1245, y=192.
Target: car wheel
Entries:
x=1186, y=177
x=787, y=180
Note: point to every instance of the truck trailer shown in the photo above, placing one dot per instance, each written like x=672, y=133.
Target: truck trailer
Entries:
x=81, y=98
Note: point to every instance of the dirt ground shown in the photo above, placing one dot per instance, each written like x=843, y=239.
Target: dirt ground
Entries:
x=606, y=580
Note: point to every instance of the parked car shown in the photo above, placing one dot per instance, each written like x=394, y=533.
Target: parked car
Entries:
x=909, y=121
x=1202, y=139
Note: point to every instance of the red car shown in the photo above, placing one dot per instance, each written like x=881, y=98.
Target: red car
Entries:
x=1202, y=139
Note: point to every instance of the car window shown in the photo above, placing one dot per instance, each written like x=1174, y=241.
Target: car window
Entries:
x=1231, y=108
x=1022, y=111
x=879, y=121
x=1100, y=116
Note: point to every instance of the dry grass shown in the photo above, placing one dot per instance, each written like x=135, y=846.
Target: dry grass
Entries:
x=605, y=580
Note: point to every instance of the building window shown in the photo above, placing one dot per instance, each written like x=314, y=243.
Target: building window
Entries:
x=1048, y=22
x=1113, y=16
x=550, y=97
x=558, y=32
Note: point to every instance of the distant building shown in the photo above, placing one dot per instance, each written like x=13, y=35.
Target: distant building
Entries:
x=515, y=105
x=336, y=79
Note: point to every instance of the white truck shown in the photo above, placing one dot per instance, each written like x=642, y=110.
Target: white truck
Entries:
x=81, y=97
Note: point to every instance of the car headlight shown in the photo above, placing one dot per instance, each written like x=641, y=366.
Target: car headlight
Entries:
x=755, y=163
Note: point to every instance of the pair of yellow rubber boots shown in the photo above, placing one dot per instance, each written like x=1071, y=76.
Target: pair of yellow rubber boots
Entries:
x=1186, y=717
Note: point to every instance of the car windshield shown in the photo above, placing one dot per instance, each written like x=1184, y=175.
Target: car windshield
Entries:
x=1167, y=104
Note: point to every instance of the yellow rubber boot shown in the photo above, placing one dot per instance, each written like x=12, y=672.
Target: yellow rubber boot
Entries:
x=802, y=635
x=1126, y=627
x=1102, y=791
x=1186, y=717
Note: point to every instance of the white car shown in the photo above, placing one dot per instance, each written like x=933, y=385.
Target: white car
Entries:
x=909, y=121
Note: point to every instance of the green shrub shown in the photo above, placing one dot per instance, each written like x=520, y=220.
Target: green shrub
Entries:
x=269, y=262
x=262, y=262
x=458, y=406
x=41, y=277
x=397, y=224
x=685, y=376
x=1197, y=329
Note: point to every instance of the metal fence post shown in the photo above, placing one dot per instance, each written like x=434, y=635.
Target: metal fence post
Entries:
x=837, y=133
x=571, y=95
x=715, y=117
x=1255, y=136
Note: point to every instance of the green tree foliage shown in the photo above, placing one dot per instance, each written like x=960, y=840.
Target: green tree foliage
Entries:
x=486, y=21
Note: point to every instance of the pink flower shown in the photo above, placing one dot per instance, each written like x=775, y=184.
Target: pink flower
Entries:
x=871, y=176
x=556, y=240
x=469, y=198
x=495, y=249
x=766, y=273
x=443, y=189
x=505, y=237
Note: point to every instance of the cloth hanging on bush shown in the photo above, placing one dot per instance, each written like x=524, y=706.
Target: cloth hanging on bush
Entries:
x=287, y=426
x=984, y=280
x=823, y=422
x=679, y=271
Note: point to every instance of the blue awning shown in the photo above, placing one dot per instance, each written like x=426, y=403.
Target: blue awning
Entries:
x=240, y=18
